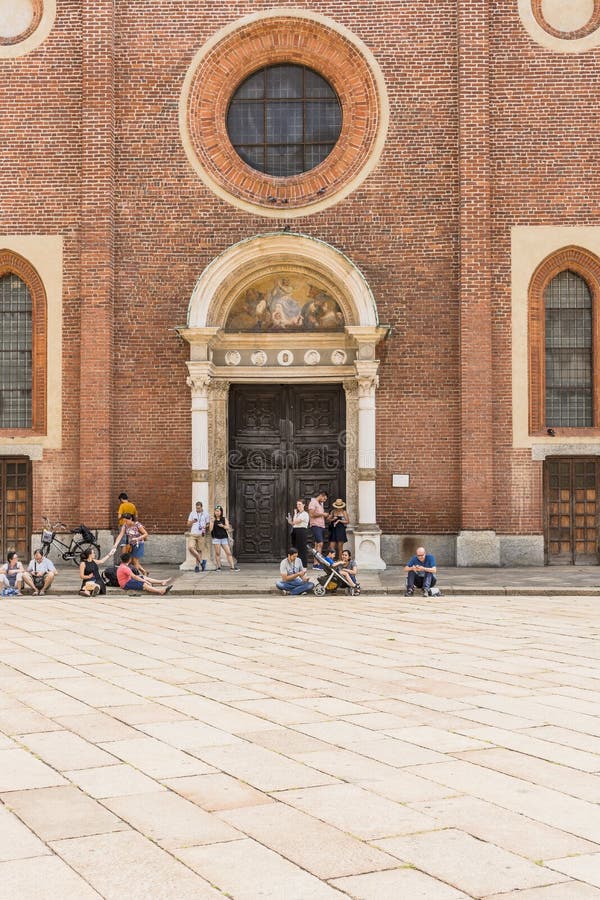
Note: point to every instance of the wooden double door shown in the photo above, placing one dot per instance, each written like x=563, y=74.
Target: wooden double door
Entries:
x=571, y=491
x=285, y=442
x=15, y=506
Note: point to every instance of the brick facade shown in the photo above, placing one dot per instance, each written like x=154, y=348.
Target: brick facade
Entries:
x=487, y=130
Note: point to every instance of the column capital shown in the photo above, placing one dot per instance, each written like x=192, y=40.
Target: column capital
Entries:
x=219, y=388
x=367, y=378
x=350, y=386
x=200, y=378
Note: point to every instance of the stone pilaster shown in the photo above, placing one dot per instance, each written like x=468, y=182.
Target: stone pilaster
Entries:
x=97, y=261
x=477, y=440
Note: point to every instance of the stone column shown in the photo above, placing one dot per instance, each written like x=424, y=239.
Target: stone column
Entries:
x=199, y=381
x=367, y=532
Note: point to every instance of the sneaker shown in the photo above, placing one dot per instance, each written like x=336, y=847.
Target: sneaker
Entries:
x=409, y=592
x=203, y=565
x=196, y=568
x=236, y=569
x=425, y=592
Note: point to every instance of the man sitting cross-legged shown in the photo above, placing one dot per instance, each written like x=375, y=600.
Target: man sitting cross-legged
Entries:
x=294, y=579
x=129, y=581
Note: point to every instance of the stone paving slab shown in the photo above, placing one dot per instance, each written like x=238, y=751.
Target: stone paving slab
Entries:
x=256, y=746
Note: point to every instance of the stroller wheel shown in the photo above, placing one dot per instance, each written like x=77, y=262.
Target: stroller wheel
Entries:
x=319, y=590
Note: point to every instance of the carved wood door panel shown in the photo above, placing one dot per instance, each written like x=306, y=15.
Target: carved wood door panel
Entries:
x=571, y=511
x=285, y=442
x=15, y=507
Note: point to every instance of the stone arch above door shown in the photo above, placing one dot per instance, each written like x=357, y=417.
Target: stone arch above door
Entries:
x=219, y=285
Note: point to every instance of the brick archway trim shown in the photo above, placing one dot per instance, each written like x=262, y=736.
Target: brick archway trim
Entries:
x=14, y=264
x=588, y=28
x=587, y=265
x=269, y=38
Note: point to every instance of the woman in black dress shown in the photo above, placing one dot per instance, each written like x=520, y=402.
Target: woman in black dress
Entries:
x=339, y=519
x=91, y=580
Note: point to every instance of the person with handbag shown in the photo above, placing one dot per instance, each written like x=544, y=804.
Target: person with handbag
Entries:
x=299, y=522
x=221, y=532
x=135, y=535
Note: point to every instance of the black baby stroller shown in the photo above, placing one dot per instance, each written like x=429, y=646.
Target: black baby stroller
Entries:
x=332, y=579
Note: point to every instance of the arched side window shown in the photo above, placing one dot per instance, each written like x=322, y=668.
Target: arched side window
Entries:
x=22, y=346
x=564, y=345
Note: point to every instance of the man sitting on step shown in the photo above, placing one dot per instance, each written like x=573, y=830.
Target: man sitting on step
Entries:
x=421, y=571
x=294, y=579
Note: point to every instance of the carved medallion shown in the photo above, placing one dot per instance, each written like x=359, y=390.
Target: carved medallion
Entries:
x=285, y=357
x=233, y=358
x=312, y=358
x=339, y=357
x=259, y=358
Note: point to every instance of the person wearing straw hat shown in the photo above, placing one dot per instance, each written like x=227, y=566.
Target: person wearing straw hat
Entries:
x=338, y=518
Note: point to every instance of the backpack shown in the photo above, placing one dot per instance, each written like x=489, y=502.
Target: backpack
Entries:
x=109, y=577
x=86, y=534
x=435, y=592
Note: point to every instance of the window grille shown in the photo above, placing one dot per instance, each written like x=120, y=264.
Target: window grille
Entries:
x=569, y=370
x=15, y=353
x=284, y=120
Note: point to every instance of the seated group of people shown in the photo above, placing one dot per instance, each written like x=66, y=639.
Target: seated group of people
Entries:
x=129, y=574
x=37, y=577
x=294, y=576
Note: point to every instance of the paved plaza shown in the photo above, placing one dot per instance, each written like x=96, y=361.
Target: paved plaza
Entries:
x=261, y=746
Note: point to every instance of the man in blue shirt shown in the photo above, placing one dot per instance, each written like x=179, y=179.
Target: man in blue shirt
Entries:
x=421, y=571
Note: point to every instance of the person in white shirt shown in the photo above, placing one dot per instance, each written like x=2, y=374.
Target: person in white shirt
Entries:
x=294, y=579
x=198, y=524
x=299, y=522
x=42, y=571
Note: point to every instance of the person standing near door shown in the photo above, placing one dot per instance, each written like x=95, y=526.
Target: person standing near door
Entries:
x=198, y=524
x=219, y=532
x=338, y=518
x=299, y=522
x=316, y=513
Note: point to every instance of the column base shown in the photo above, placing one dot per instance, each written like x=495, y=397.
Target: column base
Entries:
x=367, y=548
x=478, y=548
x=189, y=563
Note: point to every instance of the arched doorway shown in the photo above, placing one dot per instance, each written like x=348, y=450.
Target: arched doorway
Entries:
x=283, y=332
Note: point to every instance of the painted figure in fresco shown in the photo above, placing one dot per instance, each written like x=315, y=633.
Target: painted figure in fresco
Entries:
x=286, y=312
x=321, y=313
x=250, y=313
x=279, y=304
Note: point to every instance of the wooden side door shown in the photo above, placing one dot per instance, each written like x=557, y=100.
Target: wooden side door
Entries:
x=571, y=510
x=15, y=506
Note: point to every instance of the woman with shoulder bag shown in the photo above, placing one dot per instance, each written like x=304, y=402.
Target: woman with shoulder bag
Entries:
x=220, y=531
x=135, y=534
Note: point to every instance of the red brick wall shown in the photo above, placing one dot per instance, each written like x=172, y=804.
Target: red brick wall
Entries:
x=40, y=137
x=545, y=172
x=401, y=228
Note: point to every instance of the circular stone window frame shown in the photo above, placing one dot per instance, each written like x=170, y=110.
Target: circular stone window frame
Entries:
x=274, y=37
x=44, y=14
x=585, y=38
